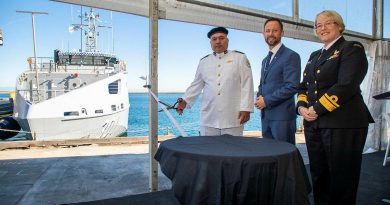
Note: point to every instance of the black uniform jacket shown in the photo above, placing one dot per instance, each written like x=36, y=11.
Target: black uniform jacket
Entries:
x=331, y=84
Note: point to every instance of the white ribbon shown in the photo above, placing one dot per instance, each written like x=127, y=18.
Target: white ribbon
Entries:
x=171, y=118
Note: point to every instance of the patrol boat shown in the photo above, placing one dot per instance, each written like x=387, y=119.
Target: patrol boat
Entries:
x=75, y=95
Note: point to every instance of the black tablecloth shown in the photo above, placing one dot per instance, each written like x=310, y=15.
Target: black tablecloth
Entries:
x=234, y=170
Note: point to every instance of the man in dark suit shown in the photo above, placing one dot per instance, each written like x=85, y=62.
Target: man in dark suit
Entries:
x=280, y=77
x=336, y=117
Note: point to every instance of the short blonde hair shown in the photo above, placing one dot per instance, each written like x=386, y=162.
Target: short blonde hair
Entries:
x=332, y=15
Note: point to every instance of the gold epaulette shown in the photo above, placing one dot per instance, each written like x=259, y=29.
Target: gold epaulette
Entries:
x=329, y=102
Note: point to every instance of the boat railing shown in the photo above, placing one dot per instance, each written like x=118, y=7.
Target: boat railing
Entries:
x=85, y=68
x=46, y=64
x=39, y=95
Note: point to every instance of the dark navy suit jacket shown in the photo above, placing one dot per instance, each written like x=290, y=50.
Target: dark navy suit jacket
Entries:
x=279, y=85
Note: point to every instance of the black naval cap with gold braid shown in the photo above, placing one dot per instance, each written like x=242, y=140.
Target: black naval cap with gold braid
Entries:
x=217, y=29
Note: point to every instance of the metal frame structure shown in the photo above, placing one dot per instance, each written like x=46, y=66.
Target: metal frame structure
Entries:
x=213, y=13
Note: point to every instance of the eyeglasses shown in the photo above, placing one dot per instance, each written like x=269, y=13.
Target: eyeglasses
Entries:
x=326, y=24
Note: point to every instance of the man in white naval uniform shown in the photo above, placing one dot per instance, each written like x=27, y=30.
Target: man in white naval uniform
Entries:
x=225, y=77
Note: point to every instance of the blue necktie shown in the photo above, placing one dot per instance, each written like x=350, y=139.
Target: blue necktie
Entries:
x=267, y=61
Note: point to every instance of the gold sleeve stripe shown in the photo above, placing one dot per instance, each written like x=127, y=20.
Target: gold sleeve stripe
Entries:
x=330, y=103
x=333, y=99
x=302, y=97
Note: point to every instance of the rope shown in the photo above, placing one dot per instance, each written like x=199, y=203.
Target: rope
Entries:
x=19, y=131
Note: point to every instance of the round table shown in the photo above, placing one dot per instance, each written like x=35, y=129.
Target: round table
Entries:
x=234, y=170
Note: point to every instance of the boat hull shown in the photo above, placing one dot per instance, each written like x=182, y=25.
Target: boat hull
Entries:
x=108, y=126
x=90, y=111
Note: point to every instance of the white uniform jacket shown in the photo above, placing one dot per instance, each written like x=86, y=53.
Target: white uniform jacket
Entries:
x=227, y=84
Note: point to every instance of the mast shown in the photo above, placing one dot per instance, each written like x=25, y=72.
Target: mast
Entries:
x=81, y=28
x=91, y=34
x=92, y=22
x=34, y=42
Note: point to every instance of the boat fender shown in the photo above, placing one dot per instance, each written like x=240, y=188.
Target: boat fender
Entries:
x=8, y=123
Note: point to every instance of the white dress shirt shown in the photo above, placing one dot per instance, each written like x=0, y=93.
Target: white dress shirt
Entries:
x=274, y=50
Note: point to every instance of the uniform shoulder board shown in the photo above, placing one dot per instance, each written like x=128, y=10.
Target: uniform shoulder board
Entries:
x=238, y=52
x=247, y=63
x=357, y=44
x=205, y=57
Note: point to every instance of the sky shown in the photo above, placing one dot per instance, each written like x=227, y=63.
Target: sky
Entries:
x=181, y=45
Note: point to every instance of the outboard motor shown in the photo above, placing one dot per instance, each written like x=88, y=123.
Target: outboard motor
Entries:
x=8, y=123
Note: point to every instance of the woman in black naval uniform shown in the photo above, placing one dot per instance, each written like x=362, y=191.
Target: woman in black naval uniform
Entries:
x=336, y=117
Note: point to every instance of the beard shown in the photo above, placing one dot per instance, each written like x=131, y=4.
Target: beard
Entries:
x=272, y=41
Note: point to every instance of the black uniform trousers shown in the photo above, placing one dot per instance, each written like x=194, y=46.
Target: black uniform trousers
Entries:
x=335, y=160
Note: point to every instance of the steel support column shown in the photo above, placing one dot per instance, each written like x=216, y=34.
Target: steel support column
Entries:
x=377, y=19
x=153, y=82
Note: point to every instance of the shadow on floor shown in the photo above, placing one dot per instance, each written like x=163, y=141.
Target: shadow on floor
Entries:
x=165, y=197
x=374, y=186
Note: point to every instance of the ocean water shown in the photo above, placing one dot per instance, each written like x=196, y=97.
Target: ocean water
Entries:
x=4, y=95
x=189, y=121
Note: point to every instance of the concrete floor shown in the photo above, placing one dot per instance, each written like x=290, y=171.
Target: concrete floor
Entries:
x=70, y=174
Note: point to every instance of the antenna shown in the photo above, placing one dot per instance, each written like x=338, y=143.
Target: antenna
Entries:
x=81, y=28
x=91, y=32
x=112, y=34
x=34, y=42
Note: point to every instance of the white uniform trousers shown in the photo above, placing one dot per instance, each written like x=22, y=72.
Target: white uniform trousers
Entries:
x=211, y=131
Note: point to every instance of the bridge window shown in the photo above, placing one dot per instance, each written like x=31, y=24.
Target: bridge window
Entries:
x=114, y=87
